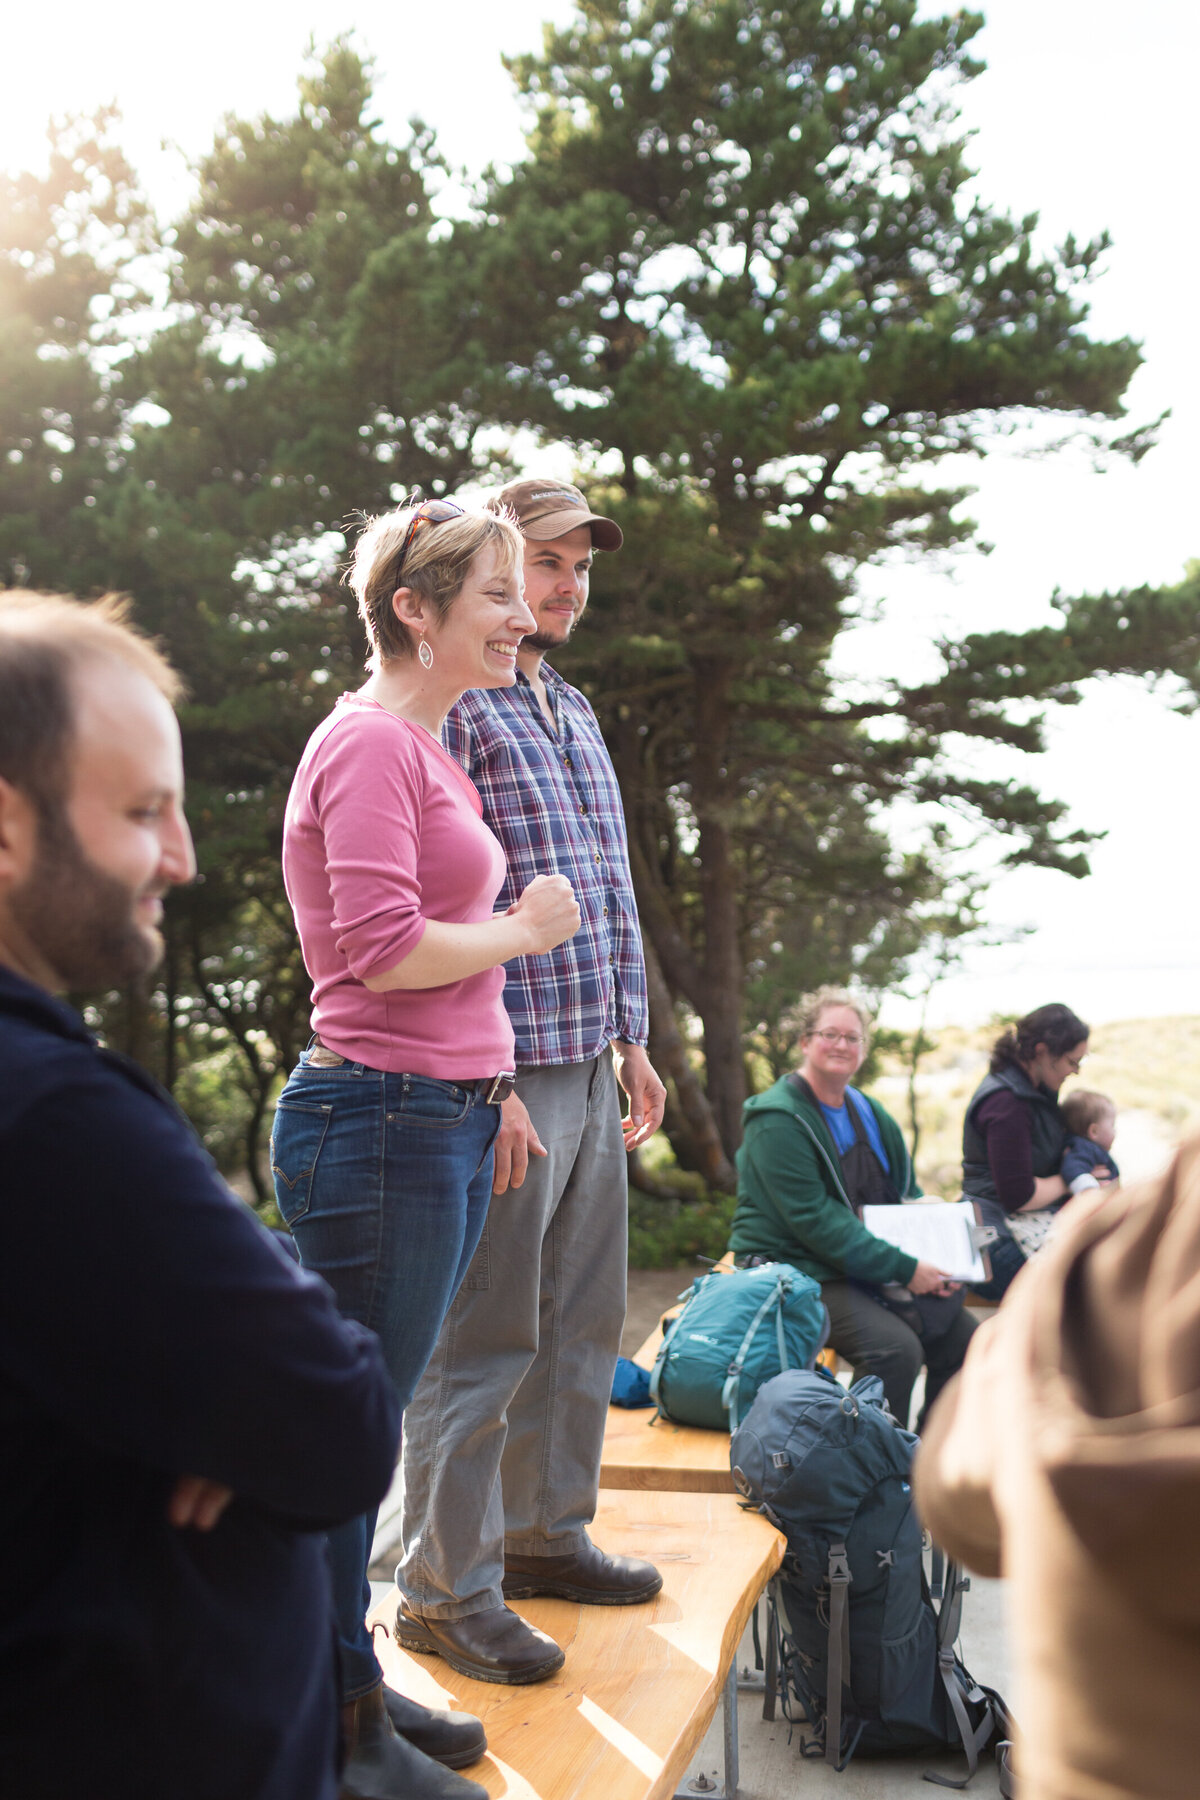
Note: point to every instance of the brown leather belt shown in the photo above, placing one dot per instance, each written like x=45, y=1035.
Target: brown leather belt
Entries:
x=496, y=1091
x=493, y=1090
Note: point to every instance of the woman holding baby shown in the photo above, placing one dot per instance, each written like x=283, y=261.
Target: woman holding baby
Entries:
x=1015, y=1136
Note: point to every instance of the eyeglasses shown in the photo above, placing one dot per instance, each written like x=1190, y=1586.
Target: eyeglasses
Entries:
x=430, y=512
x=839, y=1037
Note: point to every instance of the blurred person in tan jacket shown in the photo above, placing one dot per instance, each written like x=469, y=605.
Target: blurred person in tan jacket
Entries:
x=1066, y=1458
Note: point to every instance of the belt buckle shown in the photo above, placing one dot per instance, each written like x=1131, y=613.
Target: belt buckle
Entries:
x=499, y=1088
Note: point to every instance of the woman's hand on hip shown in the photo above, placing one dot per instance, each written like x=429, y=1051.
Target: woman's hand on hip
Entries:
x=548, y=911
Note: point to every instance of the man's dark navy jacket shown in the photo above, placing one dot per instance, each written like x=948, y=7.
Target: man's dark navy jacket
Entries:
x=150, y=1328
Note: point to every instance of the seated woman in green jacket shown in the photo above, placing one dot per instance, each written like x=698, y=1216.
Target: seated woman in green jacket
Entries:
x=814, y=1152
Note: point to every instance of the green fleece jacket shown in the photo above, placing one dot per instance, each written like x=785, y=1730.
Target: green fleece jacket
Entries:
x=791, y=1202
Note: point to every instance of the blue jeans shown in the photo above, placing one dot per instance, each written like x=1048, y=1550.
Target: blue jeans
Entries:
x=384, y=1181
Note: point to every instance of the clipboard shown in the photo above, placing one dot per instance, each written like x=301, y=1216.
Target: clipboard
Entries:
x=915, y=1227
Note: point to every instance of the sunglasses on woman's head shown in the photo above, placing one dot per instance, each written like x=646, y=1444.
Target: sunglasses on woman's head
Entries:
x=429, y=512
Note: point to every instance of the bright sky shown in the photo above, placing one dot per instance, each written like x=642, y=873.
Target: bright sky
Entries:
x=1086, y=115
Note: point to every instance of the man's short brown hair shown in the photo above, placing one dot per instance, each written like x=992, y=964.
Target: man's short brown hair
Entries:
x=45, y=639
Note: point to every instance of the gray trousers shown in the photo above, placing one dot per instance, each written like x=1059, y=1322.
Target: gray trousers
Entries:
x=502, y=1438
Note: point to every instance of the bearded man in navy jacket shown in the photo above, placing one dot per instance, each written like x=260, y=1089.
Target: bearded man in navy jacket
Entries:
x=182, y=1410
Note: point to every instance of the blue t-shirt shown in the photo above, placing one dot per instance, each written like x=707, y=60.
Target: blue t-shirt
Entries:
x=842, y=1126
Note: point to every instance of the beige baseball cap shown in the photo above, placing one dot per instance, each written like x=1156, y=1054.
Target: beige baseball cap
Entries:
x=549, y=509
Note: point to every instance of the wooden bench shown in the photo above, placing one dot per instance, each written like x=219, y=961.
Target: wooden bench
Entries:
x=622, y=1719
x=645, y=1454
x=641, y=1451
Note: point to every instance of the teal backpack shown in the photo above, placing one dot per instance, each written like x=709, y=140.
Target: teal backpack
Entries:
x=736, y=1331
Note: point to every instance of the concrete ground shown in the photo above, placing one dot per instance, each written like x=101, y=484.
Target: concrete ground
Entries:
x=651, y=1292
x=772, y=1768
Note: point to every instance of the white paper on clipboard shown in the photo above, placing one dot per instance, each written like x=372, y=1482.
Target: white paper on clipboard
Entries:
x=937, y=1233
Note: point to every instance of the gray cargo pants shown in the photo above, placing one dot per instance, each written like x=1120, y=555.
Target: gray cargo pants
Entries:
x=502, y=1438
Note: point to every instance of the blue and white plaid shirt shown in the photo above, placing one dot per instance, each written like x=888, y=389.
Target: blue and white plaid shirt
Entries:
x=554, y=803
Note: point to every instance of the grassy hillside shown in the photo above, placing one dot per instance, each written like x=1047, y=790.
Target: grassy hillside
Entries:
x=1148, y=1066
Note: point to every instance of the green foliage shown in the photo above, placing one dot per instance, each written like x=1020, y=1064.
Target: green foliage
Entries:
x=740, y=276
x=211, y=1093
x=681, y=1220
x=740, y=267
x=665, y=1232
x=69, y=241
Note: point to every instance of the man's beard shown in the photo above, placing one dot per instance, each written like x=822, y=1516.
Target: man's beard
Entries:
x=80, y=920
x=543, y=641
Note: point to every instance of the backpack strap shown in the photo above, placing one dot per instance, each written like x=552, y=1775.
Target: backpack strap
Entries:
x=948, y=1587
x=731, y=1391
x=785, y=1287
x=660, y=1360
x=1008, y=1775
x=962, y=1690
x=838, y=1665
x=937, y=1572
x=974, y=1738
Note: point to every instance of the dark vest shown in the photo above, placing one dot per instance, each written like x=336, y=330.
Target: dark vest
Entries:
x=1048, y=1133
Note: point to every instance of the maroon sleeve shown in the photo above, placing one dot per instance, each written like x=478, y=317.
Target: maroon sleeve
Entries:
x=1004, y=1121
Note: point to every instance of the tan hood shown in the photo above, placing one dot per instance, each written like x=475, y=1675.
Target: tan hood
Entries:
x=1115, y=1375
x=1066, y=1456
x=1098, y=1349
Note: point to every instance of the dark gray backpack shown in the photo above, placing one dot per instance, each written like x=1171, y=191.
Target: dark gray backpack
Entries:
x=856, y=1638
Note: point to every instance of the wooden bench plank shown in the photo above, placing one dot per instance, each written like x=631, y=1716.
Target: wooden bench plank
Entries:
x=640, y=1684
x=643, y=1451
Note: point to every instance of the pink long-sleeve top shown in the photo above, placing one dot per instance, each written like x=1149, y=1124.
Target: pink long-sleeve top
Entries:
x=383, y=832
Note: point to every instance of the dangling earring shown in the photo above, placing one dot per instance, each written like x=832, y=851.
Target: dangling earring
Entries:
x=425, y=654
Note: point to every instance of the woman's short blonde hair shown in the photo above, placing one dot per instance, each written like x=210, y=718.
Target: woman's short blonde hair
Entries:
x=436, y=563
x=824, y=1000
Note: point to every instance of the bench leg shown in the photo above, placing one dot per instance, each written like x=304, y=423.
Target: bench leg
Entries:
x=700, y=1784
x=729, y=1707
x=762, y=1678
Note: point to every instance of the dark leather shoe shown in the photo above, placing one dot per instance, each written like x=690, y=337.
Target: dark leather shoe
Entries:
x=381, y=1766
x=494, y=1645
x=587, y=1576
x=452, y=1738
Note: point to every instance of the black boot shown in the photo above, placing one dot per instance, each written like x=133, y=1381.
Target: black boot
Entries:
x=381, y=1766
x=452, y=1738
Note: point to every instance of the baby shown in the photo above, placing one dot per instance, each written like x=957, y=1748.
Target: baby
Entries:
x=1092, y=1121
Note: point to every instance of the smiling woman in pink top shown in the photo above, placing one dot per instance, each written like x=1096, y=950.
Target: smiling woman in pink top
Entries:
x=382, y=1145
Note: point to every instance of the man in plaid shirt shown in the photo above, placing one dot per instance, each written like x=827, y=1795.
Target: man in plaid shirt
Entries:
x=502, y=1439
